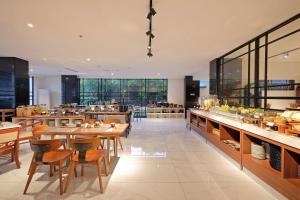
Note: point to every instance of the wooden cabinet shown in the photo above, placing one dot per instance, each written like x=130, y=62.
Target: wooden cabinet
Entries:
x=286, y=180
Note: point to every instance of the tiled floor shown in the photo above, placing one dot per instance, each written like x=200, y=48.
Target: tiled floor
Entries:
x=161, y=160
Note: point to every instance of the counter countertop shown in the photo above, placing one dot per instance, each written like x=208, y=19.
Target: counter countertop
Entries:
x=7, y=125
x=272, y=135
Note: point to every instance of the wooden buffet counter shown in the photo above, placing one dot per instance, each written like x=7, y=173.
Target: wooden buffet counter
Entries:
x=219, y=129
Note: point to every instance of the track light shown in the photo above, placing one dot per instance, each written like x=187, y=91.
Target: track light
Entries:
x=149, y=33
x=151, y=13
x=149, y=54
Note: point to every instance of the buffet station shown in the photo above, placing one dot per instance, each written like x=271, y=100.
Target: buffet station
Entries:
x=266, y=143
x=165, y=110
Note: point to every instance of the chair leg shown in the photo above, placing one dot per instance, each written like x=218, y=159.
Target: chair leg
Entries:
x=30, y=166
x=99, y=176
x=119, y=140
x=61, y=183
x=82, y=169
x=69, y=178
x=16, y=154
x=32, y=171
x=106, y=164
x=51, y=168
x=75, y=170
x=12, y=156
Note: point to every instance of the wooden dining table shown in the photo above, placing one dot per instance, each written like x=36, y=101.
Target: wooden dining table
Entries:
x=103, y=130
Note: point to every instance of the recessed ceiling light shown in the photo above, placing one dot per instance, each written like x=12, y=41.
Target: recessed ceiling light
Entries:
x=88, y=59
x=30, y=25
x=112, y=73
x=285, y=56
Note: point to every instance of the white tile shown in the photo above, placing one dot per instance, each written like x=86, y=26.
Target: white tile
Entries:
x=162, y=160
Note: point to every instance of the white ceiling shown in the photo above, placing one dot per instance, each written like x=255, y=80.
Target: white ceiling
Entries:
x=189, y=33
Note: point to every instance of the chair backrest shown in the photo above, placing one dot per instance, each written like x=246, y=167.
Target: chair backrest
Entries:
x=9, y=135
x=38, y=128
x=30, y=123
x=39, y=147
x=82, y=145
x=111, y=120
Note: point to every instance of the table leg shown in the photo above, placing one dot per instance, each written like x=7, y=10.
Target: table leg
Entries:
x=116, y=145
x=108, y=147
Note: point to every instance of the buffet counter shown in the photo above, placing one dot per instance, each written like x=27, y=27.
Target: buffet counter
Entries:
x=272, y=156
x=272, y=135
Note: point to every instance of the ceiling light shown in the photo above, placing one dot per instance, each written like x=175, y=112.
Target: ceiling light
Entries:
x=112, y=73
x=149, y=47
x=285, y=56
x=158, y=74
x=150, y=34
x=149, y=54
x=88, y=59
x=30, y=25
x=151, y=13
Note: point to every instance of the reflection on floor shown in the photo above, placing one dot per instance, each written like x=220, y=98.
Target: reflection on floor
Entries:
x=161, y=160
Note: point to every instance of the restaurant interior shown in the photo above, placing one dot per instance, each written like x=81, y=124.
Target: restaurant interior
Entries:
x=150, y=99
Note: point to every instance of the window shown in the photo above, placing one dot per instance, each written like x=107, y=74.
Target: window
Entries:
x=264, y=72
x=31, y=89
x=139, y=92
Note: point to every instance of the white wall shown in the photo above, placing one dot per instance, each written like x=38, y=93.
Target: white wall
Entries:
x=51, y=83
x=176, y=91
x=203, y=75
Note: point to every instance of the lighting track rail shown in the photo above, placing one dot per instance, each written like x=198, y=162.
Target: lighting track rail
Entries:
x=149, y=33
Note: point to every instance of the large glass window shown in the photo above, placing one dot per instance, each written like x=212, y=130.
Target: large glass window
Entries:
x=139, y=92
x=264, y=72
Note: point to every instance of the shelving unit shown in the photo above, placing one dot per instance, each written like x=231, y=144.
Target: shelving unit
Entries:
x=162, y=112
x=285, y=181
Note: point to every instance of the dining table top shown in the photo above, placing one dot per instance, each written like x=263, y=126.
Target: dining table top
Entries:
x=102, y=130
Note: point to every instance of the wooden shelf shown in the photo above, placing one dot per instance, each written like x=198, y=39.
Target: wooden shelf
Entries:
x=285, y=181
x=263, y=165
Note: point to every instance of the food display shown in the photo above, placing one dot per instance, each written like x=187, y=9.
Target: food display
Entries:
x=233, y=144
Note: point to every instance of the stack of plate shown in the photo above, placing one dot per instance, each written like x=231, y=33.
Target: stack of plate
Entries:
x=275, y=157
x=258, y=151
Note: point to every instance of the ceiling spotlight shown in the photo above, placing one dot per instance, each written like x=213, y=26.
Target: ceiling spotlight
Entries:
x=151, y=13
x=149, y=54
x=88, y=59
x=150, y=34
x=30, y=25
x=286, y=55
x=149, y=47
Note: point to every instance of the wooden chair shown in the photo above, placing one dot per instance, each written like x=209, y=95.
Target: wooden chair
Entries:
x=115, y=139
x=9, y=144
x=46, y=152
x=26, y=134
x=38, y=137
x=86, y=152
